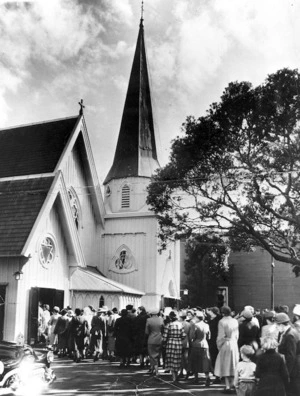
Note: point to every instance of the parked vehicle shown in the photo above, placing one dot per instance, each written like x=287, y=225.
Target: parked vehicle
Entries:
x=23, y=366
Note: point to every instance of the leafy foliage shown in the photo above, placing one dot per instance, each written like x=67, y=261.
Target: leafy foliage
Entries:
x=206, y=265
x=235, y=171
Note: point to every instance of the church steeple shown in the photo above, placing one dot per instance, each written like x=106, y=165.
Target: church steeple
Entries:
x=136, y=149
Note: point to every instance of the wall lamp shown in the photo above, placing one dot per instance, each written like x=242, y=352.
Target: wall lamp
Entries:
x=18, y=275
x=22, y=261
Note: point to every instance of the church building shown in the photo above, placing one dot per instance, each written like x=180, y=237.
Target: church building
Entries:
x=61, y=243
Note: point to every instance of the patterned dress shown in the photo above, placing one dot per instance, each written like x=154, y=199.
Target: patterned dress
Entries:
x=173, y=336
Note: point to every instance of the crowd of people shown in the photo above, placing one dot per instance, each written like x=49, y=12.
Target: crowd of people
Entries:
x=254, y=353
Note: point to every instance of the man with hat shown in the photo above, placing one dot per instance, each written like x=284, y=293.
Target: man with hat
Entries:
x=96, y=333
x=104, y=334
x=153, y=331
x=289, y=346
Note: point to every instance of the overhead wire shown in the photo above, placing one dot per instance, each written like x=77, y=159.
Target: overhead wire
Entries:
x=213, y=177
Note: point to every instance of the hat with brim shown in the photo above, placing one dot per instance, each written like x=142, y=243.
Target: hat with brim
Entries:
x=269, y=315
x=199, y=314
x=282, y=318
x=247, y=314
x=296, y=310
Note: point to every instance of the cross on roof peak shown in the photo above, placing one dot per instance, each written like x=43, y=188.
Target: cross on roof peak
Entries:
x=81, y=107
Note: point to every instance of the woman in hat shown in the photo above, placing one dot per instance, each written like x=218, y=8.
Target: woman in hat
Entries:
x=153, y=330
x=248, y=331
x=271, y=370
x=269, y=328
x=213, y=322
x=228, y=356
x=173, y=337
x=51, y=326
x=62, y=334
x=200, y=358
x=140, y=344
x=296, y=321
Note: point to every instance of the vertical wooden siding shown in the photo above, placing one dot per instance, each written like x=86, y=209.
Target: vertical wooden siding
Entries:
x=74, y=176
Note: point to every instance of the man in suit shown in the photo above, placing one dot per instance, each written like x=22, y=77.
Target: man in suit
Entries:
x=289, y=346
x=103, y=326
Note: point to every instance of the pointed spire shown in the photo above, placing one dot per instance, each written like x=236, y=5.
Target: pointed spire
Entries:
x=136, y=148
x=142, y=13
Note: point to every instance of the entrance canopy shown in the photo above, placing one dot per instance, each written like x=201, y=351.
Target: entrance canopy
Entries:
x=83, y=279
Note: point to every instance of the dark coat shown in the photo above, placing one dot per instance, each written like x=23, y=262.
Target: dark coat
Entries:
x=61, y=329
x=272, y=373
x=290, y=347
x=79, y=329
x=249, y=334
x=212, y=342
x=124, y=336
x=140, y=339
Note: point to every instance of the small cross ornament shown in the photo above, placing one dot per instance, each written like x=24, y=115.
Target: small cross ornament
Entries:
x=81, y=107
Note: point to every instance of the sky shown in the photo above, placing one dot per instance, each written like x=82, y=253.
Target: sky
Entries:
x=55, y=53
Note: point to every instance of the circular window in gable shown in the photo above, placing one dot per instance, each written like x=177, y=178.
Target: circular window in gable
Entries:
x=46, y=251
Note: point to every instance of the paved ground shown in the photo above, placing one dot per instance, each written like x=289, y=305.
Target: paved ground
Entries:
x=104, y=378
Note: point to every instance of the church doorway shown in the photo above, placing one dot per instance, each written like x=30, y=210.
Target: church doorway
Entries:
x=39, y=295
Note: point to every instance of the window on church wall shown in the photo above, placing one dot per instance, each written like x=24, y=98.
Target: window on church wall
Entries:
x=74, y=206
x=108, y=191
x=125, y=201
x=101, y=302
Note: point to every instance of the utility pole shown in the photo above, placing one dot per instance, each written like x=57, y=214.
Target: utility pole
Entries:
x=272, y=282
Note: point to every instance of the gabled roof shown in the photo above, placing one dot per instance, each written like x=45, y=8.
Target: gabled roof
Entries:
x=20, y=203
x=34, y=149
x=136, y=149
x=90, y=280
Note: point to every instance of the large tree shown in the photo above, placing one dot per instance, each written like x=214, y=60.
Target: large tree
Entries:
x=235, y=171
x=206, y=268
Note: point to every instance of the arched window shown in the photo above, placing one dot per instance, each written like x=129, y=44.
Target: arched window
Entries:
x=101, y=302
x=74, y=206
x=125, y=203
x=107, y=191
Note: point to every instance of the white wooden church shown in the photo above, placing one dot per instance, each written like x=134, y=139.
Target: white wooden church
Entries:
x=61, y=242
